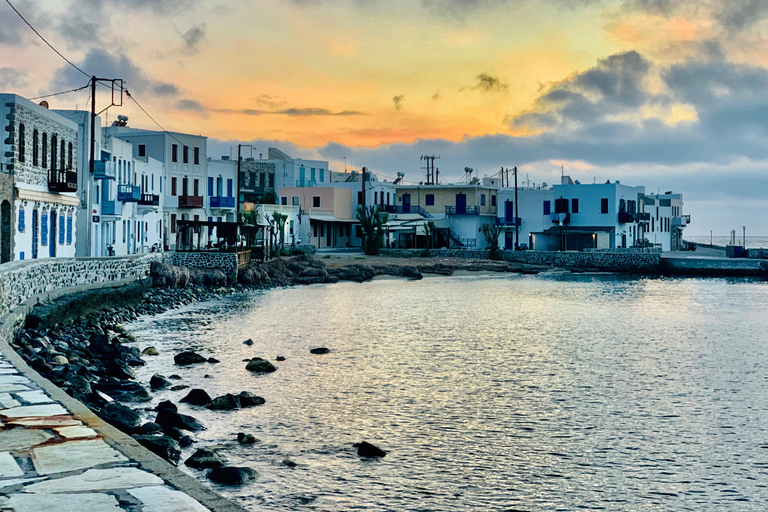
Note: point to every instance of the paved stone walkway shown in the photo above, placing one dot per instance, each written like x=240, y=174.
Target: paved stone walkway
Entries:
x=52, y=462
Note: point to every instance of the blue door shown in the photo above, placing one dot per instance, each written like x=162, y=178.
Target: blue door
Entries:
x=461, y=204
x=509, y=212
x=34, y=234
x=406, y=203
x=509, y=240
x=52, y=237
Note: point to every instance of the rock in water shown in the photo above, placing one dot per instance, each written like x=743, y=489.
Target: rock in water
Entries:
x=248, y=342
x=122, y=417
x=259, y=365
x=161, y=445
x=206, y=458
x=243, y=438
x=248, y=399
x=226, y=402
x=280, y=358
x=150, y=351
x=123, y=391
x=231, y=475
x=168, y=418
x=366, y=449
x=197, y=396
x=188, y=357
x=320, y=350
x=159, y=382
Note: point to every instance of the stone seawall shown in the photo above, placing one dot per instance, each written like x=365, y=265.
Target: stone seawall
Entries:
x=608, y=261
x=224, y=261
x=23, y=280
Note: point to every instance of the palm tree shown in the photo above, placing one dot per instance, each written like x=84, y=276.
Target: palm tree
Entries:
x=372, y=221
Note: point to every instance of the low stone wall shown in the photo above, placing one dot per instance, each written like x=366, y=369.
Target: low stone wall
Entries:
x=757, y=254
x=224, y=261
x=23, y=280
x=606, y=260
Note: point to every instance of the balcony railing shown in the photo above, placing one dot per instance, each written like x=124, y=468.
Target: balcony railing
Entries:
x=111, y=207
x=190, y=201
x=468, y=210
x=149, y=200
x=104, y=170
x=627, y=217
x=411, y=209
x=512, y=221
x=128, y=193
x=306, y=183
x=62, y=181
x=222, y=202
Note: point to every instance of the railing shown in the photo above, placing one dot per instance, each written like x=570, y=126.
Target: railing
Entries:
x=104, y=170
x=128, y=193
x=62, y=181
x=626, y=217
x=306, y=183
x=222, y=202
x=190, y=201
x=503, y=221
x=463, y=242
x=111, y=207
x=411, y=209
x=149, y=200
x=469, y=210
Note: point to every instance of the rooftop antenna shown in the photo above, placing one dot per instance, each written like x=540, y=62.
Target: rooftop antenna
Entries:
x=562, y=171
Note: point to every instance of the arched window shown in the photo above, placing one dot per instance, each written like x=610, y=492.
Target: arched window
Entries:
x=45, y=150
x=22, y=143
x=35, y=147
x=54, y=149
x=63, y=155
x=69, y=157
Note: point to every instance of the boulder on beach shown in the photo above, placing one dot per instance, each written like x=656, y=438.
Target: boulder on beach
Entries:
x=124, y=391
x=259, y=365
x=280, y=358
x=149, y=428
x=197, y=396
x=166, y=404
x=244, y=438
x=232, y=475
x=188, y=357
x=150, y=351
x=248, y=342
x=248, y=399
x=168, y=418
x=206, y=458
x=120, y=416
x=159, y=382
x=366, y=449
x=319, y=350
x=161, y=445
x=226, y=402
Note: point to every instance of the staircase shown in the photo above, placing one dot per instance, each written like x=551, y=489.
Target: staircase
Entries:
x=463, y=243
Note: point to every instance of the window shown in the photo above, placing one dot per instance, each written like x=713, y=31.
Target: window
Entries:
x=142, y=150
x=21, y=220
x=546, y=208
x=290, y=231
x=314, y=230
x=45, y=150
x=387, y=198
x=62, y=156
x=210, y=219
x=272, y=181
x=173, y=186
x=348, y=228
x=123, y=231
x=574, y=205
x=482, y=199
x=185, y=154
x=295, y=201
x=210, y=186
x=360, y=198
x=69, y=229
x=604, y=205
x=322, y=230
x=284, y=200
x=152, y=179
x=218, y=219
x=229, y=187
x=197, y=156
x=175, y=153
x=429, y=199
x=312, y=174
x=184, y=186
x=22, y=143
x=173, y=223
x=375, y=197
x=316, y=202
x=44, y=229
x=54, y=148
x=358, y=231
x=322, y=175
x=35, y=147
x=96, y=199
x=196, y=187
x=62, y=229
x=197, y=217
x=493, y=200
x=69, y=157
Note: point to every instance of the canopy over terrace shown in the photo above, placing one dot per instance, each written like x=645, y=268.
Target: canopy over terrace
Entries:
x=200, y=236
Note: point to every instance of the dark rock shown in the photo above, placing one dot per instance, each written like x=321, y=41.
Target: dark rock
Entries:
x=280, y=358
x=320, y=350
x=159, y=382
x=166, y=404
x=207, y=376
x=243, y=438
x=179, y=387
x=119, y=370
x=123, y=391
x=366, y=449
x=213, y=360
x=161, y=445
x=232, y=475
x=122, y=417
x=185, y=441
x=248, y=399
x=188, y=357
x=289, y=463
x=175, y=377
x=149, y=428
x=206, y=458
x=197, y=397
x=226, y=402
x=150, y=351
x=259, y=365
x=173, y=433
x=168, y=418
x=248, y=342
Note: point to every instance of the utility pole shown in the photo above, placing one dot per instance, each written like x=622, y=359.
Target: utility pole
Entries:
x=364, y=170
x=431, y=176
x=517, y=216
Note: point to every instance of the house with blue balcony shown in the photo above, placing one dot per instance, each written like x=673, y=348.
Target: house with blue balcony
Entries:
x=220, y=190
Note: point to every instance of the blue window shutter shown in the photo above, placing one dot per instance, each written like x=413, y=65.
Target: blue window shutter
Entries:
x=21, y=255
x=21, y=220
x=210, y=186
x=61, y=230
x=229, y=188
x=69, y=229
x=44, y=229
x=210, y=219
x=546, y=208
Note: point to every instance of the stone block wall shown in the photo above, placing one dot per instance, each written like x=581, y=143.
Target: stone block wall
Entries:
x=757, y=254
x=22, y=280
x=224, y=261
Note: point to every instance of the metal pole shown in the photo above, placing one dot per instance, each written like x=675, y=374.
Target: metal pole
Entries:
x=362, y=203
x=744, y=243
x=93, y=123
x=517, y=216
x=237, y=185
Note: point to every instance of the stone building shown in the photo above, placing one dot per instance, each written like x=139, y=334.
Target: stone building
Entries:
x=39, y=160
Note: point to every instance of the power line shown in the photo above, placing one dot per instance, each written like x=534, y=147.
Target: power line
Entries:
x=59, y=93
x=44, y=40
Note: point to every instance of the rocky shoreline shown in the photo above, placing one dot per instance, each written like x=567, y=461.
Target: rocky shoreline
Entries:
x=82, y=347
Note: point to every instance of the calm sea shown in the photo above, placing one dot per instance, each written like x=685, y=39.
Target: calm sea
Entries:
x=525, y=393
x=722, y=241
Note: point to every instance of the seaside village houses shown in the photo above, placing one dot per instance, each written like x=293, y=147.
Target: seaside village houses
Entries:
x=145, y=182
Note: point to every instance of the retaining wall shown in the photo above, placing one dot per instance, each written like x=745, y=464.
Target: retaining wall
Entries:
x=224, y=261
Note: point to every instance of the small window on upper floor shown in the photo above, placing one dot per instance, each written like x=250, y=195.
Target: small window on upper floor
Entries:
x=174, y=153
x=493, y=200
x=197, y=156
x=604, y=205
x=429, y=200
x=284, y=200
x=547, y=207
x=574, y=205
x=22, y=143
x=315, y=201
x=482, y=199
x=185, y=154
x=142, y=150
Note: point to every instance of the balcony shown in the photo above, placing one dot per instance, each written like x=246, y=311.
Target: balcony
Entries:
x=111, y=208
x=626, y=217
x=128, y=193
x=104, y=170
x=512, y=221
x=681, y=222
x=306, y=183
x=190, y=201
x=644, y=217
x=62, y=181
x=468, y=210
x=222, y=202
x=149, y=200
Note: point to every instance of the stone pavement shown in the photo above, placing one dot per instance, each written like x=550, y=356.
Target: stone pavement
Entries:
x=51, y=462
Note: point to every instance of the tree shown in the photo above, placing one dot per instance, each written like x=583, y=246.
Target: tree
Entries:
x=279, y=220
x=250, y=217
x=268, y=197
x=491, y=232
x=430, y=230
x=372, y=221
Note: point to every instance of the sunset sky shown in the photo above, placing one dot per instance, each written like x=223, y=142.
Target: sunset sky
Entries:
x=668, y=94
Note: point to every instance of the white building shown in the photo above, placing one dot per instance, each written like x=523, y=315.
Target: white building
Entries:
x=290, y=234
x=297, y=172
x=220, y=200
x=40, y=155
x=531, y=215
x=665, y=220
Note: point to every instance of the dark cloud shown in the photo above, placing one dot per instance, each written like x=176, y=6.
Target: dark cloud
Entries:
x=270, y=100
x=740, y=15
x=193, y=38
x=11, y=78
x=191, y=106
x=106, y=65
x=398, y=101
x=489, y=83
